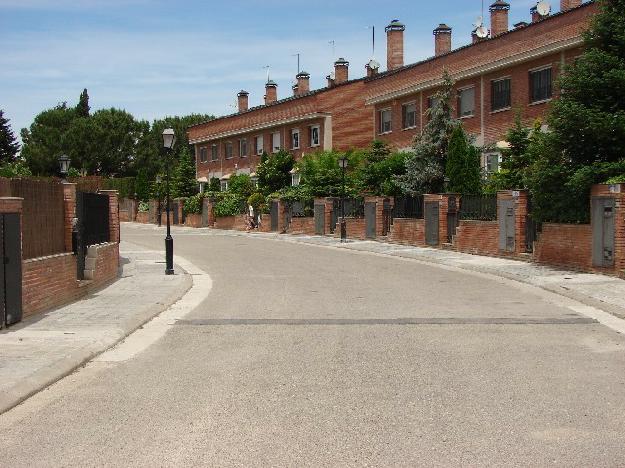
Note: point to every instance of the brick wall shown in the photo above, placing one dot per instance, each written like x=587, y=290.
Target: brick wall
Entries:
x=49, y=282
x=193, y=220
x=355, y=228
x=477, y=237
x=143, y=217
x=565, y=245
x=236, y=223
x=302, y=226
x=408, y=231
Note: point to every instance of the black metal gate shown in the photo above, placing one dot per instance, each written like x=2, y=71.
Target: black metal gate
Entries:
x=452, y=218
x=92, y=227
x=10, y=269
x=274, y=215
x=370, y=219
x=431, y=223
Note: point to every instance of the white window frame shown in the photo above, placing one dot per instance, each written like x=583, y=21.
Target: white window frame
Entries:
x=487, y=172
x=404, y=106
x=275, y=148
x=243, y=154
x=312, y=134
x=460, y=91
x=260, y=144
x=223, y=185
x=381, y=129
x=294, y=132
x=296, y=178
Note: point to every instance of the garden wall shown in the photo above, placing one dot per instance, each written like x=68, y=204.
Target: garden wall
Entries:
x=477, y=237
x=407, y=231
x=193, y=220
x=302, y=226
x=236, y=223
x=355, y=228
x=565, y=245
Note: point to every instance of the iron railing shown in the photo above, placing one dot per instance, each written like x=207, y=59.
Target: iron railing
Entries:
x=303, y=208
x=354, y=208
x=408, y=207
x=478, y=207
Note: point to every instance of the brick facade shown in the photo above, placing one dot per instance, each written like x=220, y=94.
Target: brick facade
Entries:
x=565, y=245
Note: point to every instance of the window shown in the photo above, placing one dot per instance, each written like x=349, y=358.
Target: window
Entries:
x=228, y=150
x=214, y=153
x=224, y=185
x=295, y=138
x=500, y=94
x=385, y=121
x=409, y=115
x=295, y=179
x=243, y=147
x=275, y=142
x=540, y=85
x=314, y=136
x=466, y=102
x=258, y=144
x=491, y=163
x=203, y=154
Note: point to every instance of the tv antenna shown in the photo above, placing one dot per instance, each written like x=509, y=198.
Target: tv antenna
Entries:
x=298, y=58
x=543, y=8
x=267, y=67
x=372, y=41
x=480, y=30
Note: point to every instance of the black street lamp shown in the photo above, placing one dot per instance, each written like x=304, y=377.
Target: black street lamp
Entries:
x=343, y=165
x=64, y=165
x=159, y=195
x=169, y=139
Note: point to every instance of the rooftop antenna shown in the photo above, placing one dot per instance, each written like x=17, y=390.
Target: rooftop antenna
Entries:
x=267, y=67
x=298, y=57
x=543, y=8
x=372, y=41
x=480, y=30
x=333, y=44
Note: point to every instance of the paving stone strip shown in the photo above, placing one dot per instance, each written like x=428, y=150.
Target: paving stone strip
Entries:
x=47, y=347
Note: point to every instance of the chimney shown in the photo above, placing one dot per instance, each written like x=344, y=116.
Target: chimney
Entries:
x=341, y=71
x=243, y=100
x=373, y=67
x=303, y=83
x=442, y=39
x=395, y=45
x=271, y=92
x=295, y=88
x=499, y=17
x=330, y=81
x=566, y=5
x=534, y=13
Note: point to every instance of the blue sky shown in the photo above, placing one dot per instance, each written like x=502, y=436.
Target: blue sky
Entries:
x=156, y=58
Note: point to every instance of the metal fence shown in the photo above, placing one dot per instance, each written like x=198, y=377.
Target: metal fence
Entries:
x=303, y=208
x=354, y=208
x=43, y=215
x=479, y=207
x=408, y=207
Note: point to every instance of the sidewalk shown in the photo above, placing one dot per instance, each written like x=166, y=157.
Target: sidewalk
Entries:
x=49, y=346
x=603, y=292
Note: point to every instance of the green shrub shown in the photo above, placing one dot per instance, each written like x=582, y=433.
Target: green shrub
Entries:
x=125, y=186
x=229, y=205
x=619, y=179
x=193, y=205
x=144, y=207
x=241, y=184
x=256, y=200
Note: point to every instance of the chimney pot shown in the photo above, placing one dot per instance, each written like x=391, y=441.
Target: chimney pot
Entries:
x=303, y=83
x=442, y=39
x=341, y=71
x=271, y=90
x=499, y=17
x=395, y=45
x=373, y=67
x=243, y=98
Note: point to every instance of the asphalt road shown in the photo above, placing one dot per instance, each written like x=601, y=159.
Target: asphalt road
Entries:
x=311, y=356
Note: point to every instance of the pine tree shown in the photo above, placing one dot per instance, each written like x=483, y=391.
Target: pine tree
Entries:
x=425, y=167
x=463, y=164
x=9, y=147
x=184, y=181
x=82, y=109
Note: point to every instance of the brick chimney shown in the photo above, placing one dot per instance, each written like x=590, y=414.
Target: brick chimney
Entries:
x=341, y=71
x=330, y=81
x=534, y=13
x=295, y=88
x=499, y=17
x=566, y=5
x=243, y=98
x=442, y=39
x=373, y=67
x=271, y=92
x=395, y=45
x=303, y=83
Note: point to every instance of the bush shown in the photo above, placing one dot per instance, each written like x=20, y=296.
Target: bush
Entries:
x=620, y=179
x=15, y=169
x=321, y=174
x=229, y=205
x=125, y=186
x=274, y=171
x=193, y=205
x=241, y=184
x=256, y=200
x=144, y=207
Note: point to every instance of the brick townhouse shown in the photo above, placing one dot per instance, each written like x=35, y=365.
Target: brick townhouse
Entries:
x=509, y=70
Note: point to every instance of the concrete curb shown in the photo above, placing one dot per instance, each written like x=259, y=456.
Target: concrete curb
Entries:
x=47, y=376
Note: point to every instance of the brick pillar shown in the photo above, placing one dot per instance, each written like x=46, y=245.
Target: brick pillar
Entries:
x=282, y=227
x=379, y=212
x=329, y=202
x=208, y=205
x=180, y=209
x=521, y=199
x=69, y=203
x=153, y=218
x=617, y=192
x=443, y=210
x=113, y=214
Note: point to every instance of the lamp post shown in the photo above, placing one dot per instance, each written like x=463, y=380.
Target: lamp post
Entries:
x=343, y=165
x=159, y=208
x=169, y=139
x=64, y=166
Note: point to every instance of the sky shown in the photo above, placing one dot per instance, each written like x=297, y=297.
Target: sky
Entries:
x=156, y=58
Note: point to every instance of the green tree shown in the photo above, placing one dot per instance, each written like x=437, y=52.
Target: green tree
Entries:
x=214, y=184
x=82, y=109
x=241, y=184
x=142, y=185
x=46, y=140
x=322, y=176
x=377, y=175
x=274, y=171
x=184, y=181
x=9, y=147
x=463, y=164
x=14, y=169
x=425, y=166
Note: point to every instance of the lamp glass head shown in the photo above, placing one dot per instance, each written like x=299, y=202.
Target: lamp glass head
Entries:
x=169, y=138
x=64, y=164
x=343, y=163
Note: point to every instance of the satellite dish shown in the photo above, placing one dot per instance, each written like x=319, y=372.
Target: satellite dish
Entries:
x=479, y=22
x=543, y=8
x=481, y=32
x=332, y=75
x=374, y=64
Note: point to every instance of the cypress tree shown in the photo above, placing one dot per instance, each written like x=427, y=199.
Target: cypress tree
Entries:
x=82, y=109
x=9, y=147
